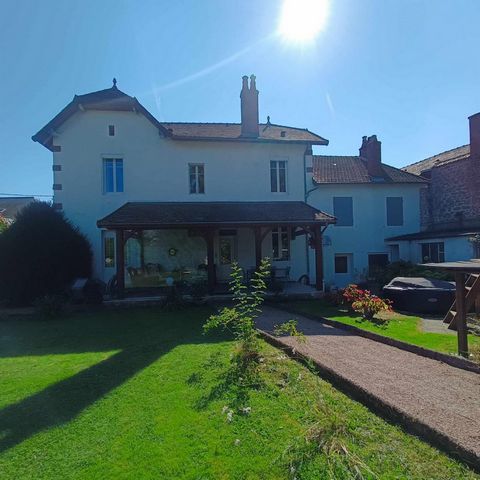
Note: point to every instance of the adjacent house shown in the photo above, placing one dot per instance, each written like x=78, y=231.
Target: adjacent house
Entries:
x=161, y=200
x=371, y=201
x=450, y=205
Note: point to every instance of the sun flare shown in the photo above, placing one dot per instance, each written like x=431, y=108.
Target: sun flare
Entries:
x=302, y=20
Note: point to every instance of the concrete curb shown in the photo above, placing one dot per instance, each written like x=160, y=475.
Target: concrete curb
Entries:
x=457, y=362
x=387, y=411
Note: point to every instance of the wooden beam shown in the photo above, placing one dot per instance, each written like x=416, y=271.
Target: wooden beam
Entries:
x=317, y=243
x=258, y=246
x=120, y=247
x=209, y=238
x=461, y=314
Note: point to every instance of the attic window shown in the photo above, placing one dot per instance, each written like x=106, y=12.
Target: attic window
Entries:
x=111, y=130
x=282, y=133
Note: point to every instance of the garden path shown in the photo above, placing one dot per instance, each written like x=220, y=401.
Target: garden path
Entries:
x=431, y=398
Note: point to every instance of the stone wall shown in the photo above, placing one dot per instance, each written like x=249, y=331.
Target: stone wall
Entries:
x=452, y=198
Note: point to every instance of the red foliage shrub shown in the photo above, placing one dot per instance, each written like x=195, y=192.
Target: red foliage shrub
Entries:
x=365, y=303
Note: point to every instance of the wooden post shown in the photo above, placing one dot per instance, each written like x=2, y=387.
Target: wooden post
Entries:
x=258, y=246
x=461, y=314
x=209, y=237
x=318, y=257
x=120, y=250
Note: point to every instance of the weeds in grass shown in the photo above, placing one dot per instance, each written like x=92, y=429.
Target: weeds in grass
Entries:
x=290, y=329
x=328, y=435
x=475, y=353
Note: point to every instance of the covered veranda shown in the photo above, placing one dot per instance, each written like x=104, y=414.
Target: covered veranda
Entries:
x=209, y=223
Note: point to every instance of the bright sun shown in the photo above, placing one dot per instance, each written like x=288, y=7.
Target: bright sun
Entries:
x=302, y=20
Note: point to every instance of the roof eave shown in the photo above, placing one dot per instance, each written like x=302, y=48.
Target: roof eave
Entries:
x=247, y=140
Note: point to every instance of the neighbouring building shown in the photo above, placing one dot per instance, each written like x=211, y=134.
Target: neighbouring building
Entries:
x=450, y=205
x=371, y=201
x=10, y=206
x=185, y=200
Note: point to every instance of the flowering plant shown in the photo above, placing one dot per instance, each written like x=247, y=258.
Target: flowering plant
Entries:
x=365, y=303
x=352, y=293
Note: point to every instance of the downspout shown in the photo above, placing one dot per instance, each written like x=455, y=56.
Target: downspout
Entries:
x=306, y=193
x=305, y=196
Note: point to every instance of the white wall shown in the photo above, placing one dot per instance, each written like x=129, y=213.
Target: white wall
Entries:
x=156, y=169
x=456, y=248
x=369, y=230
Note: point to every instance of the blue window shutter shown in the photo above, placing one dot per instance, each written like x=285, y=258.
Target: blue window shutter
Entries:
x=108, y=175
x=119, y=175
x=394, y=211
x=343, y=211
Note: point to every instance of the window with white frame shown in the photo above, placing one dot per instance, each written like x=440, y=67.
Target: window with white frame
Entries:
x=280, y=244
x=278, y=176
x=433, y=252
x=196, y=172
x=112, y=175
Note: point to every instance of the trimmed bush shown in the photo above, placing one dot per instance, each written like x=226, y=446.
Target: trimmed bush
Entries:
x=41, y=254
x=406, y=269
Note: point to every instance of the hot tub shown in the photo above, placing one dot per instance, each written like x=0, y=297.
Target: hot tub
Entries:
x=421, y=295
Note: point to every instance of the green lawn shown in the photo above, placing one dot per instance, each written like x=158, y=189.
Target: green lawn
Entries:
x=401, y=327
x=138, y=394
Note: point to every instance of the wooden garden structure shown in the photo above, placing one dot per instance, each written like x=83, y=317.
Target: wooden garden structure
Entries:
x=467, y=280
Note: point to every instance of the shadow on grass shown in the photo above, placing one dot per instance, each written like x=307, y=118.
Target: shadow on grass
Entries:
x=234, y=384
x=142, y=338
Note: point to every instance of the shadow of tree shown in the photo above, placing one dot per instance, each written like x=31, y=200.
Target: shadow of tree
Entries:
x=140, y=342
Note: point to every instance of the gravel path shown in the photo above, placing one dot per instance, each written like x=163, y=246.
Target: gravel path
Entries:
x=445, y=398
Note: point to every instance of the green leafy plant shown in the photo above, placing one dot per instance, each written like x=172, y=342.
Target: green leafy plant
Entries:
x=240, y=319
x=289, y=328
x=3, y=224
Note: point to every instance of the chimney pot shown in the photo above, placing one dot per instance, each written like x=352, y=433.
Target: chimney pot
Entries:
x=249, y=107
x=371, y=150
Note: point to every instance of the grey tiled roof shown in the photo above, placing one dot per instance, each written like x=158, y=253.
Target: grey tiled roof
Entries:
x=353, y=169
x=443, y=158
x=114, y=99
x=175, y=214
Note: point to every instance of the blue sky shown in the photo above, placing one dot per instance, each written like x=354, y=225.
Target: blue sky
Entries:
x=406, y=70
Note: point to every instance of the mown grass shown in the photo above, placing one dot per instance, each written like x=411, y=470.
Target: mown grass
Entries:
x=401, y=327
x=140, y=394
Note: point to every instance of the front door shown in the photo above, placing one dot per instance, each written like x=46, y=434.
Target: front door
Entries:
x=226, y=255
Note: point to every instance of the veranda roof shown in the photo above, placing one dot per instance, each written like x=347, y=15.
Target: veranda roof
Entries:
x=151, y=215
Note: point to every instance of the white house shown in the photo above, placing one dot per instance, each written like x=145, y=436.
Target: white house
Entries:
x=371, y=202
x=159, y=199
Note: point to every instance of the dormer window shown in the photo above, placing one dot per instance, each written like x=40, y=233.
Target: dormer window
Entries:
x=111, y=130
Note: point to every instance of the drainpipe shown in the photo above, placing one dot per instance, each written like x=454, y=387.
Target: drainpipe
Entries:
x=306, y=193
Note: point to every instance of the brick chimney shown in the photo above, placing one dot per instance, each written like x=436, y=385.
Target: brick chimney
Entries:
x=371, y=151
x=474, y=121
x=249, y=107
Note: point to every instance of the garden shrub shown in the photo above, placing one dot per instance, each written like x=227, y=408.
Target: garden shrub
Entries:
x=50, y=306
x=3, y=224
x=41, y=253
x=365, y=303
x=402, y=268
